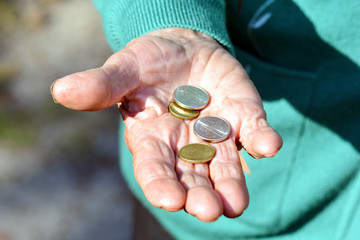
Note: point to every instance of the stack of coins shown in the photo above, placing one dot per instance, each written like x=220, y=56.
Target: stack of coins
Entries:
x=189, y=100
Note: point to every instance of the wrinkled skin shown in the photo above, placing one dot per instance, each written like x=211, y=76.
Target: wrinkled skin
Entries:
x=141, y=79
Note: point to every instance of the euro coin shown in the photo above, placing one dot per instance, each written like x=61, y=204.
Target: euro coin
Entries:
x=191, y=97
x=212, y=129
x=197, y=153
x=182, y=113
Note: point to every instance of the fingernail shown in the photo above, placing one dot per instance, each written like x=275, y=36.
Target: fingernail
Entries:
x=52, y=93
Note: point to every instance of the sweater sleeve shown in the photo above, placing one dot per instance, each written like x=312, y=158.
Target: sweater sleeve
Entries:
x=124, y=20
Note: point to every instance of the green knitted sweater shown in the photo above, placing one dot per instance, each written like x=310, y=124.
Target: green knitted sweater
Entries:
x=304, y=58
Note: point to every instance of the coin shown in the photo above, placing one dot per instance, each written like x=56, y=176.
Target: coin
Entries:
x=212, y=129
x=197, y=153
x=191, y=97
x=182, y=113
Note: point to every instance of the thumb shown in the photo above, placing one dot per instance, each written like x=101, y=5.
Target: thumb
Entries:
x=98, y=88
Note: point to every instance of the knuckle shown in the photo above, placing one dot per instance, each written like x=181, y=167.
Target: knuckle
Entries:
x=191, y=180
x=146, y=172
x=221, y=171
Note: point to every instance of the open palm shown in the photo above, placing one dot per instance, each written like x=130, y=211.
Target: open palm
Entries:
x=141, y=78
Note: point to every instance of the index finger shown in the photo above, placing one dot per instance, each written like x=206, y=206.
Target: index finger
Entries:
x=152, y=143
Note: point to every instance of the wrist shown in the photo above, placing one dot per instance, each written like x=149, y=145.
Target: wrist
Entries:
x=181, y=33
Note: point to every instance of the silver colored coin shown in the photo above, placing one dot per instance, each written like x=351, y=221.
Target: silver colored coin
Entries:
x=212, y=129
x=191, y=97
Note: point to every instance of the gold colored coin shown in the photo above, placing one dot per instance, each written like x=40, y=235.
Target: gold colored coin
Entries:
x=197, y=153
x=182, y=113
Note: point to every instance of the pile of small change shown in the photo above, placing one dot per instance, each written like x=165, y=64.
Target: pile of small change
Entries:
x=188, y=101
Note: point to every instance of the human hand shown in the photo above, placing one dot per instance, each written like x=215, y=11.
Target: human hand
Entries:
x=141, y=78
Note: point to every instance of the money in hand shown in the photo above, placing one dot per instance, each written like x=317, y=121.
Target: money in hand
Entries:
x=182, y=113
x=197, y=153
x=212, y=129
x=191, y=97
x=188, y=101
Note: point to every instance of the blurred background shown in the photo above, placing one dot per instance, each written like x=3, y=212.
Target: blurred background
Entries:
x=59, y=176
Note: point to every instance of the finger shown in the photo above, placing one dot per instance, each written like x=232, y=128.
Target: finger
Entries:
x=235, y=97
x=245, y=112
x=153, y=162
x=202, y=201
x=249, y=125
x=255, y=134
x=228, y=178
x=98, y=88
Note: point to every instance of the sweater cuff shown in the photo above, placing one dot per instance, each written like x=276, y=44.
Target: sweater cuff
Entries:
x=124, y=20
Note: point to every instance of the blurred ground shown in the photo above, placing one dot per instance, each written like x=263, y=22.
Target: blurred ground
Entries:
x=59, y=176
